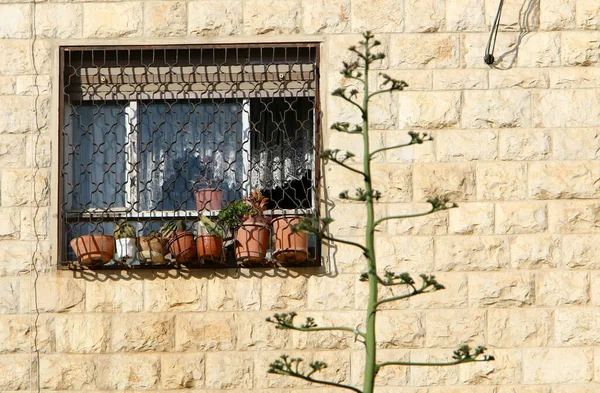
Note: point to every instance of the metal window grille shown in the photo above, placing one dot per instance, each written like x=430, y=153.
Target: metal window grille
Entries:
x=153, y=134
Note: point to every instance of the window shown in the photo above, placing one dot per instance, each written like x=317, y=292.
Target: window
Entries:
x=144, y=129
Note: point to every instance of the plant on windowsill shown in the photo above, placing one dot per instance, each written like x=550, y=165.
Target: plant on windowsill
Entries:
x=153, y=248
x=208, y=195
x=291, y=246
x=181, y=243
x=209, y=241
x=94, y=250
x=125, y=241
x=252, y=236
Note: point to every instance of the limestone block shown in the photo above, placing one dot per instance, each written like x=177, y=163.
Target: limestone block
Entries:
x=416, y=79
x=423, y=152
x=540, y=49
x=256, y=334
x=416, y=51
x=327, y=340
x=283, y=16
x=400, y=329
x=557, y=365
x=337, y=52
x=521, y=145
x=17, y=257
x=182, y=371
x=166, y=18
x=574, y=77
x=224, y=371
x=465, y=15
x=452, y=328
x=557, y=14
x=8, y=85
x=344, y=258
x=574, y=217
x=576, y=144
x=35, y=224
x=454, y=181
x=331, y=293
x=460, y=79
x=577, y=327
x=577, y=388
x=527, y=389
x=15, y=335
x=564, y=180
x=505, y=370
x=15, y=372
x=15, y=112
x=68, y=372
x=511, y=328
x=535, y=251
x=68, y=25
x=175, y=295
x=428, y=376
x=429, y=110
x=378, y=16
x=284, y=293
x=362, y=296
x=562, y=288
x=9, y=295
x=112, y=20
x=466, y=145
x=387, y=376
x=424, y=16
x=511, y=15
x=21, y=187
x=10, y=224
x=496, y=109
x=521, y=217
x=566, y=108
x=56, y=294
x=350, y=220
x=211, y=18
x=234, y=293
x=206, y=331
x=323, y=16
x=454, y=294
x=383, y=112
x=88, y=333
x=581, y=251
x=431, y=224
x=580, y=48
x=114, y=296
x=472, y=219
x=351, y=143
x=394, y=181
x=588, y=15
x=472, y=253
x=501, y=289
x=16, y=60
x=135, y=371
x=39, y=152
x=473, y=48
x=338, y=370
x=16, y=20
x=143, y=333
x=404, y=253
x=519, y=77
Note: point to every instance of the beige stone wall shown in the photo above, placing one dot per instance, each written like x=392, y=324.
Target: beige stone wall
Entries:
x=517, y=146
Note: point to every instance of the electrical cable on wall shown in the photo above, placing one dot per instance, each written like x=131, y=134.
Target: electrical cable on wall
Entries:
x=488, y=58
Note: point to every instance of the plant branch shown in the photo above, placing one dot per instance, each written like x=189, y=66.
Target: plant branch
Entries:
x=340, y=163
x=461, y=355
x=437, y=204
x=417, y=138
x=286, y=321
x=430, y=284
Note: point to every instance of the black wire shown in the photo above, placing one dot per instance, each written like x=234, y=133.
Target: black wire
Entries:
x=488, y=58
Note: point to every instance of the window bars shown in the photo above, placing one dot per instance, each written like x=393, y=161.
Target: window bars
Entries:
x=152, y=135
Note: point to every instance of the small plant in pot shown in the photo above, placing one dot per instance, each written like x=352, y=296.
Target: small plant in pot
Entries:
x=181, y=243
x=209, y=242
x=252, y=237
x=208, y=194
x=153, y=248
x=125, y=240
x=94, y=250
x=291, y=246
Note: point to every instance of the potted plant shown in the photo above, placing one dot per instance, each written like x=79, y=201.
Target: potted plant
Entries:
x=153, y=248
x=93, y=250
x=291, y=247
x=209, y=242
x=252, y=236
x=208, y=194
x=125, y=240
x=181, y=243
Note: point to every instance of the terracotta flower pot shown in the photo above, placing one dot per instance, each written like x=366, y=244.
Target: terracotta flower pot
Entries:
x=290, y=247
x=153, y=249
x=209, y=199
x=182, y=246
x=210, y=247
x=252, y=241
x=94, y=249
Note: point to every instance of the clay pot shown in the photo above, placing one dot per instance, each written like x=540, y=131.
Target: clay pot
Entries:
x=153, y=249
x=209, y=199
x=182, y=246
x=252, y=241
x=210, y=247
x=290, y=247
x=94, y=249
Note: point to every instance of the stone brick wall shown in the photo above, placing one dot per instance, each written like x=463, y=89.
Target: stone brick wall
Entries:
x=517, y=146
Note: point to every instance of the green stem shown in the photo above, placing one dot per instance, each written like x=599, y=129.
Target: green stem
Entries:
x=419, y=364
x=330, y=328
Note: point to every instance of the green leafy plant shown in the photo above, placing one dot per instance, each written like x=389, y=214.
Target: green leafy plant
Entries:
x=124, y=230
x=359, y=71
x=170, y=227
x=231, y=216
